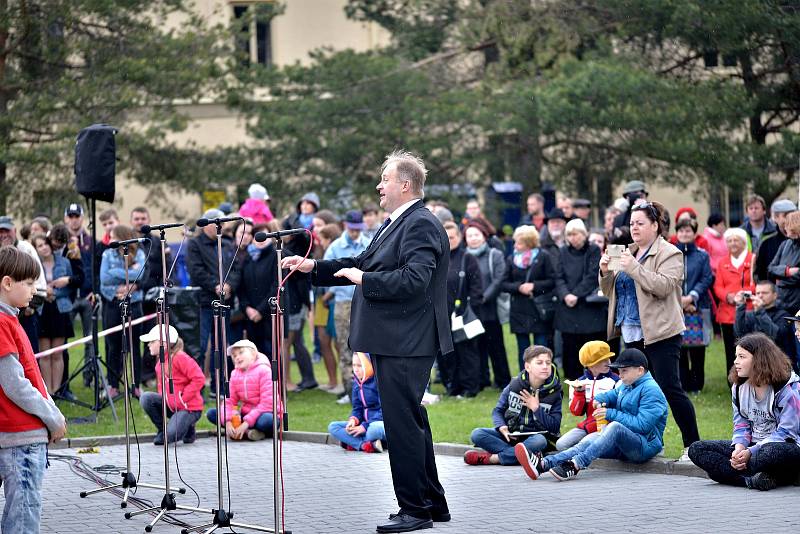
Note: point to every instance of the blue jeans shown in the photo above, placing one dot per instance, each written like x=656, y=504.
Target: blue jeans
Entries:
x=492, y=441
x=524, y=341
x=374, y=432
x=22, y=470
x=180, y=424
x=263, y=423
x=615, y=442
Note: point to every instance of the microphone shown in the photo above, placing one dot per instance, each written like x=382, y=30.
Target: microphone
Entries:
x=205, y=222
x=263, y=236
x=147, y=228
x=117, y=244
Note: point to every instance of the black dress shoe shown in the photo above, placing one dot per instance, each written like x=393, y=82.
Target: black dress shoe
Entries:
x=404, y=523
x=436, y=516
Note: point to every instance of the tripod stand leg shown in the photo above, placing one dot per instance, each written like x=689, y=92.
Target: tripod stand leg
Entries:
x=129, y=515
x=85, y=494
x=149, y=527
x=124, y=503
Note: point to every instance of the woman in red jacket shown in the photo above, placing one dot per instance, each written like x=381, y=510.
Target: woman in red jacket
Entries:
x=734, y=274
x=184, y=404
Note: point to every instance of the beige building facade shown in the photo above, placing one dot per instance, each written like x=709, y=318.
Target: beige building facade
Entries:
x=305, y=25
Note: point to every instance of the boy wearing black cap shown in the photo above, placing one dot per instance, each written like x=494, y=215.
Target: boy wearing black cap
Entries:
x=636, y=415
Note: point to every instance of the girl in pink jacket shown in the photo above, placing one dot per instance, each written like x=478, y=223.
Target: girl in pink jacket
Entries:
x=248, y=408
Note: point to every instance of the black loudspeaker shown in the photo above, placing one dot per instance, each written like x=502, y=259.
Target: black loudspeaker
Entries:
x=95, y=162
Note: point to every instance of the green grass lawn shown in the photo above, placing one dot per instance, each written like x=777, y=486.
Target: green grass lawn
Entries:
x=452, y=420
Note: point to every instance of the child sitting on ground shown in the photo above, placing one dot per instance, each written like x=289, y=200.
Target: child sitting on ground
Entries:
x=636, y=415
x=363, y=431
x=184, y=404
x=597, y=378
x=250, y=387
x=764, y=452
x=29, y=419
x=528, y=413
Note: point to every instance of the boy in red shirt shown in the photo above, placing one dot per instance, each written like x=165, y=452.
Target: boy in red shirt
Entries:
x=29, y=419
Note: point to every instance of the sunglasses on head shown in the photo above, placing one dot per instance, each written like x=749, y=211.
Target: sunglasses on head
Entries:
x=647, y=206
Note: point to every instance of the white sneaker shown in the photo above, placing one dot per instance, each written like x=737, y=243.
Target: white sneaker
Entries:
x=429, y=398
x=255, y=435
x=338, y=390
x=344, y=399
x=377, y=445
x=685, y=455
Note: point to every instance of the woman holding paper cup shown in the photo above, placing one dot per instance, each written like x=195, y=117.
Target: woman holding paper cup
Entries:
x=645, y=307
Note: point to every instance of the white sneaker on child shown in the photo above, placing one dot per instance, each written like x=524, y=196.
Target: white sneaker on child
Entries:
x=255, y=435
x=344, y=399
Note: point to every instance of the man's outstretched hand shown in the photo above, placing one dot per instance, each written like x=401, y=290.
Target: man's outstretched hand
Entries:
x=351, y=273
x=297, y=262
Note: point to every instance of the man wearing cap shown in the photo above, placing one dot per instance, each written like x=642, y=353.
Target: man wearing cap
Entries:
x=582, y=209
x=349, y=245
x=28, y=317
x=201, y=261
x=795, y=321
x=552, y=236
x=184, y=402
x=635, y=192
x=770, y=243
x=84, y=301
x=636, y=415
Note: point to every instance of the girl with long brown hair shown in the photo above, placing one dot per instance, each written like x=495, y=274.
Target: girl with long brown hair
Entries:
x=765, y=449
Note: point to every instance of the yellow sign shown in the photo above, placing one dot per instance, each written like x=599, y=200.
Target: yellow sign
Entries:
x=212, y=199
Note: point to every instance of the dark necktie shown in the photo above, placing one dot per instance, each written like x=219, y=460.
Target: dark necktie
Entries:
x=380, y=230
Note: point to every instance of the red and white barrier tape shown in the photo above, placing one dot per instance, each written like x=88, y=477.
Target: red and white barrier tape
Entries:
x=84, y=339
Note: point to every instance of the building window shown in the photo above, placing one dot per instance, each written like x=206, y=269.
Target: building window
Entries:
x=254, y=39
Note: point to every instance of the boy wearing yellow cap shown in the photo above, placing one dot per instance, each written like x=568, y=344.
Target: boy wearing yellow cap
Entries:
x=597, y=378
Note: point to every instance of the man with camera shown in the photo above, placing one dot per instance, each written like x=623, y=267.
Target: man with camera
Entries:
x=767, y=316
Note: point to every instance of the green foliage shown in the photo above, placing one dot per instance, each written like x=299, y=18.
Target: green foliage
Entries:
x=561, y=91
x=69, y=64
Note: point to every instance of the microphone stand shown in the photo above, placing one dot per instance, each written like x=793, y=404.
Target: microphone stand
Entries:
x=128, y=478
x=277, y=363
x=222, y=518
x=168, y=503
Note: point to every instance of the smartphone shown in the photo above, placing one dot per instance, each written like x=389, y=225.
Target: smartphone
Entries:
x=747, y=294
x=614, y=252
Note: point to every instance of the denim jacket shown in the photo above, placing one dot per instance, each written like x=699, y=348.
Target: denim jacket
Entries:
x=112, y=274
x=61, y=267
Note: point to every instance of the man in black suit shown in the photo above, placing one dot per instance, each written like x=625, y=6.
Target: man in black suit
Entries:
x=399, y=316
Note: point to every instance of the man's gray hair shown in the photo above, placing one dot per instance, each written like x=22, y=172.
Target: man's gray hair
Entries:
x=409, y=167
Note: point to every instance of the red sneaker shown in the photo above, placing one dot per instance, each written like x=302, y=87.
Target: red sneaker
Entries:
x=477, y=457
x=367, y=446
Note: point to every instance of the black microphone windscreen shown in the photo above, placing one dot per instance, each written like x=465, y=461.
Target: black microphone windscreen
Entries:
x=260, y=237
x=202, y=222
x=145, y=229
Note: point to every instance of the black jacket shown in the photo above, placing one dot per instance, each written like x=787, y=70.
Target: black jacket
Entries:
x=152, y=276
x=492, y=264
x=578, y=276
x=524, y=318
x=788, y=255
x=259, y=281
x=400, y=309
x=766, y=253
x=472, y=289
x=201, y=261
x=298, y=286
x=768, y=321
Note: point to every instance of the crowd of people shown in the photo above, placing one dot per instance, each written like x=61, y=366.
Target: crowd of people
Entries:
x=574, y=297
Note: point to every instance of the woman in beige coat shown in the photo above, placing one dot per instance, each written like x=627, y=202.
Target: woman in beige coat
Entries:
x=645, y=308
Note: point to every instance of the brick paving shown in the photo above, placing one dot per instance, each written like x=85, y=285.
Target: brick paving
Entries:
x=329, y=490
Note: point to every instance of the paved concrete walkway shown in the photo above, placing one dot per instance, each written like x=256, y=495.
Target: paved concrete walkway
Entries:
x=329, y=490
